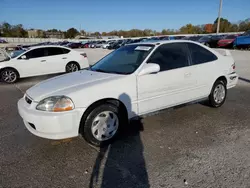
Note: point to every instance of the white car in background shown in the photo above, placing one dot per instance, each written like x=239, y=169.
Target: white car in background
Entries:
x=106, y=45
x=41, y=60
x=134, y=80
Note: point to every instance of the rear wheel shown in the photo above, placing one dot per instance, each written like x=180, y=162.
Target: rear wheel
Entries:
x=218, y=94
x=9, y=75
x=102, y=124
x=72, y=67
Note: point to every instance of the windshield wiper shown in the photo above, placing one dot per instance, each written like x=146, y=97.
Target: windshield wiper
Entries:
x=111, y=72
x=99, y=70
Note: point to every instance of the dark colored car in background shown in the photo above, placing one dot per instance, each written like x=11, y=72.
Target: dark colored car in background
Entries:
x=3, y=41
x=75, y=45
x=64, y=43
x=115, y=45
x=192, y=38
x=227, y=42
x=164, y=38
x=211, y=41
x=178, y=37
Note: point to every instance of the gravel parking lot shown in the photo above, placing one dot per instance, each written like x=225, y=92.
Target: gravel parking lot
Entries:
x=190, y=146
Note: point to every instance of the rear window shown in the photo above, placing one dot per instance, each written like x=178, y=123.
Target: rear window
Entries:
x=200, y=55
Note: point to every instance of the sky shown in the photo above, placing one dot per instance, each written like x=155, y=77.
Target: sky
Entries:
x=108, y=15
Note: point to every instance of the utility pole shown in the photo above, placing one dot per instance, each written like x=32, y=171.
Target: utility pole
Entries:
x=218, y=21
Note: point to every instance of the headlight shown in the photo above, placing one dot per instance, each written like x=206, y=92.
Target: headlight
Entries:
x=55, y=104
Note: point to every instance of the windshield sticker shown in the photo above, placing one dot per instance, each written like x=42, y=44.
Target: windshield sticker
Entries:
x=144, y=48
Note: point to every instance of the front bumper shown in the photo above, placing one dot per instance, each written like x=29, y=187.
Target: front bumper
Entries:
x=51, y=125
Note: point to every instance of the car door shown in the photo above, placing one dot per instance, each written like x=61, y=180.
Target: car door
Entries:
x=56, y=59
x=32, y=64
x=172, y=85
x=203, y=68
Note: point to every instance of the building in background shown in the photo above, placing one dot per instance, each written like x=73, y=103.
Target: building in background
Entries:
x=33, y=33
x=56, y=35
x=36, y=33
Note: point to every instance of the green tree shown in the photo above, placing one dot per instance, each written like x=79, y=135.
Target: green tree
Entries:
x=164, y=32
x=147, y=32
x=82, y=32
x=52, y=30
x=71, y=33
x=187, y=29
x=18, y=31
x=41, y=34
x=225, y=25
x=244, y=25
x=234, y=28
x=104, y=34
x=6, y=29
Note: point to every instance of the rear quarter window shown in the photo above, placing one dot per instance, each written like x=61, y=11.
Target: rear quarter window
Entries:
x=200, y=55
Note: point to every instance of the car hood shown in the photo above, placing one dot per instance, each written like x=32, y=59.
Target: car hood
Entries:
x=68, y=82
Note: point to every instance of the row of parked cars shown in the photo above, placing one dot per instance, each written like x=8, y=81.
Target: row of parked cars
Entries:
x=213, y=41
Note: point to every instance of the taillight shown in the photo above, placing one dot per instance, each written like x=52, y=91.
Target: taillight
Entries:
x=84, y=54
x=233, y=66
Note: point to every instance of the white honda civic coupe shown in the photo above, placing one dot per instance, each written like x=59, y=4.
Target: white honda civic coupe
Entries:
x=41, y=60
x=134, y=80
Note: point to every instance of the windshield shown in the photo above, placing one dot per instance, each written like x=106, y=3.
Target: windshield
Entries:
x=124, y=60
x=16, y=53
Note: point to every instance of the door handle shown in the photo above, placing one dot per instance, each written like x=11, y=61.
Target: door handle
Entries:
x=188, y=74
x=64, y=58
x=43, y=60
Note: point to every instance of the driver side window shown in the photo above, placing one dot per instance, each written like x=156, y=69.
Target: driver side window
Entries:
x=170, y=56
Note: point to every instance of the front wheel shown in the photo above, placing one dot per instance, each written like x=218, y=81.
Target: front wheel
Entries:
x=72, y=67
x=102, y=125
x=218, y=94
x=9, y=76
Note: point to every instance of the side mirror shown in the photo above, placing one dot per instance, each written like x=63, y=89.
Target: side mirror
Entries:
x=149, y=68
x=24, y=57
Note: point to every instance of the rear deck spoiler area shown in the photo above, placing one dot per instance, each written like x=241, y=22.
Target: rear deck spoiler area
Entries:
x=224, y=52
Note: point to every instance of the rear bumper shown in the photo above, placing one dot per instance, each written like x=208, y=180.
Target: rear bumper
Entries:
x=224, y=44
x=232, y=80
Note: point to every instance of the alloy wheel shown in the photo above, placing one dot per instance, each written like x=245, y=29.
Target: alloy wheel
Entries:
x=9, y=76
x=72, y=67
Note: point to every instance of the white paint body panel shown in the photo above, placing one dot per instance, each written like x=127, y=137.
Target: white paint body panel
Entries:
x=45, y=65
x=140, y=94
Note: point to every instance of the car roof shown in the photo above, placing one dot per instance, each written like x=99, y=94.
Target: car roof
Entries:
x=160, y=42
x=47, y=46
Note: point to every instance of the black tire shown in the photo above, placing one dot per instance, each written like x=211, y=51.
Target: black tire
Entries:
x=212, y=101
x=72, y=67
x=13, y=78
x=86, y=124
